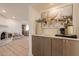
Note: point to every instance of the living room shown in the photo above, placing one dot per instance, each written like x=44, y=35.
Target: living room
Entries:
x=14, y=29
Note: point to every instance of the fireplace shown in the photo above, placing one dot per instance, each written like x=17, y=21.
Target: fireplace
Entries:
x=3, y=35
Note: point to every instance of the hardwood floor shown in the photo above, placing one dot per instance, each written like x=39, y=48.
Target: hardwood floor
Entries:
x=17, y=47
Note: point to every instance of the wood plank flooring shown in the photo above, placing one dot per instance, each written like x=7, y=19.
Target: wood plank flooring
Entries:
x=17, y=47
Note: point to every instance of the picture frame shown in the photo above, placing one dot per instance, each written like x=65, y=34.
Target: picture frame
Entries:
x=56, y=18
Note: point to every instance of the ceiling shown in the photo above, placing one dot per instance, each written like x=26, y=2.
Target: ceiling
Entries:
x=17, y=10
x=20, y=10
x=43, y=6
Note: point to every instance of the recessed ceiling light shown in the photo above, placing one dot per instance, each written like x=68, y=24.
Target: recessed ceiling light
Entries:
x=4, y=11
x=13, y=17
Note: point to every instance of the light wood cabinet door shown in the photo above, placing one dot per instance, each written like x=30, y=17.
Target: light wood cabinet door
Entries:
x=71, y=48
x=35, y=46
x=45, y=46
x=66, y=47
x=41, y=46
x=57, y=47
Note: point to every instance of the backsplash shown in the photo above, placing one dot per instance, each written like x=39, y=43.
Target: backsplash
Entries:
x=50, y=31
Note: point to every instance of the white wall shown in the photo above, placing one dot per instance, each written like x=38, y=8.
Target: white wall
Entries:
x=33, y=15
x=76, y=18
x=14, y=26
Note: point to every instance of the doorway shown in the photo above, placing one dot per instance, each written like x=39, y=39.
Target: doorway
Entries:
x=25, y=30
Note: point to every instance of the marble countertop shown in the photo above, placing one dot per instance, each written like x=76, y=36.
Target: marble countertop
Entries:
x=57, y=37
